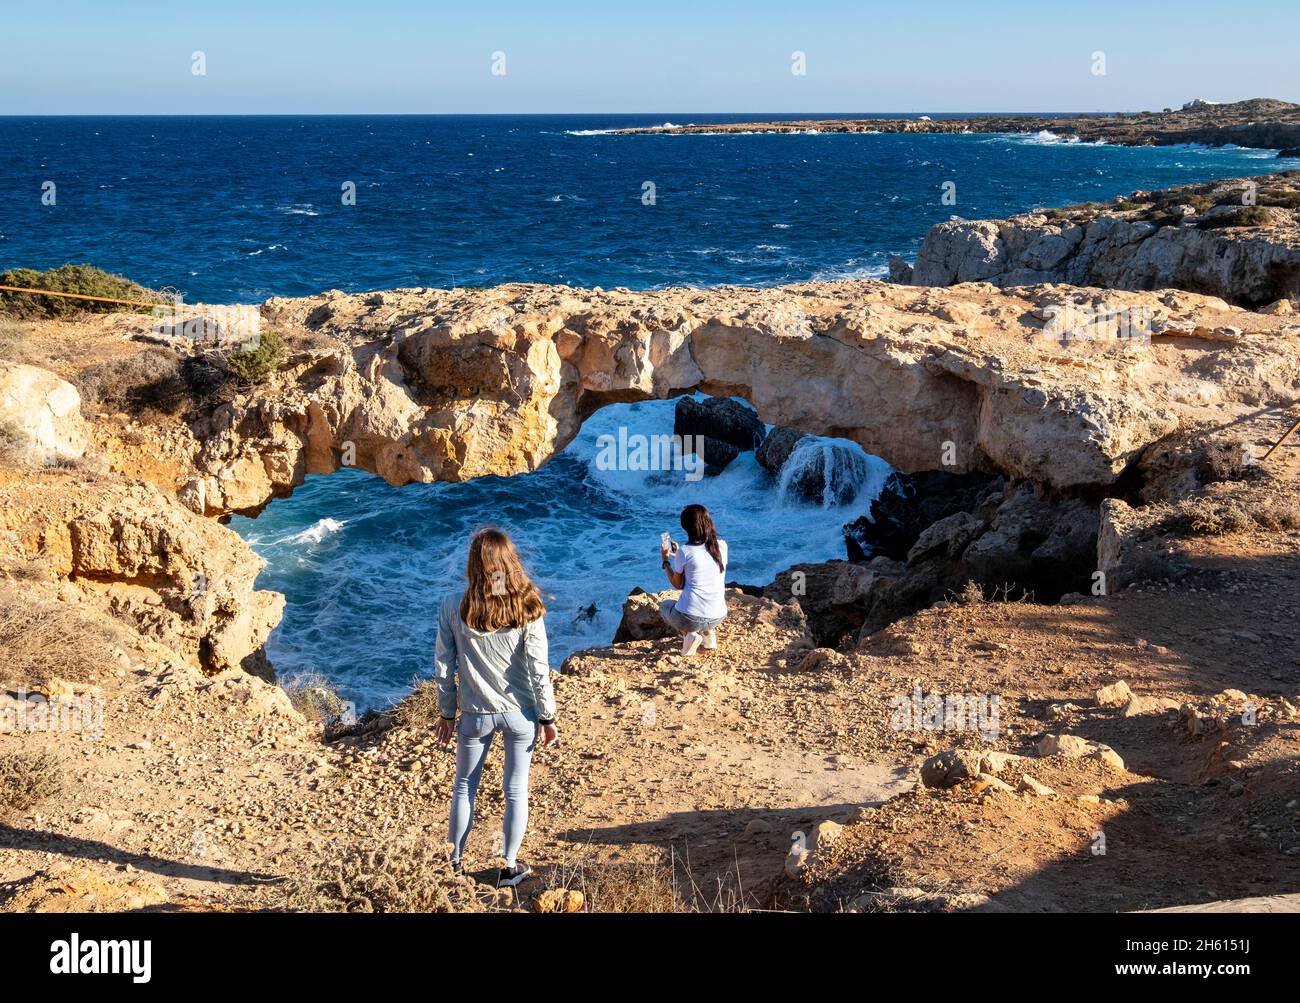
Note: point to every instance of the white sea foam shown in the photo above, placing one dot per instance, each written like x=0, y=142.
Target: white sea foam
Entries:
x=316, y=532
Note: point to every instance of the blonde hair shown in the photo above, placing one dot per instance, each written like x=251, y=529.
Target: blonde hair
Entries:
x=498, y=592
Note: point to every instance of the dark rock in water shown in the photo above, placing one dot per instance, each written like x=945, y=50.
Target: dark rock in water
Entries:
x=586, y=614
x=900, y=272
x=719, y=418
x=717, y=455
x=776, y=448
x=1292, y=152
x=911, y=502
x=824, y=472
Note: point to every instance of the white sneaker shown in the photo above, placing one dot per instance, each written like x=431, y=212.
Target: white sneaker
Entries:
x=710, y=640
x=690, y=642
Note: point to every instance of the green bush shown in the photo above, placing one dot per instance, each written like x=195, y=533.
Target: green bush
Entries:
x=1248, y=215
x=256, y=365
x=84, y=279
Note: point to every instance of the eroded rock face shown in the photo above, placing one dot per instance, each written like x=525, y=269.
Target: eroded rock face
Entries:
x=180, y=579
x=424, y=385
x=1235, y=239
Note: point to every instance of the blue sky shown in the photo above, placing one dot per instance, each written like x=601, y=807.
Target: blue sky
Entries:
x=395, y=56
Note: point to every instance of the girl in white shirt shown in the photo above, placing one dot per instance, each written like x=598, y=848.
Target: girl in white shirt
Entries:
x=698, y=568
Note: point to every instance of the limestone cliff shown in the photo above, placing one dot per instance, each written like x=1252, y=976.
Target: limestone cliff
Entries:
x=426, y=385
x=1238, y=240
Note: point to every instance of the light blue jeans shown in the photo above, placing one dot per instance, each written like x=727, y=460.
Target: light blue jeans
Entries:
x=473, y=740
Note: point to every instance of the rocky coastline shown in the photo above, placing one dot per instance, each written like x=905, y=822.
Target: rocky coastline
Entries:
x=1075, y=507
x=1262, y=123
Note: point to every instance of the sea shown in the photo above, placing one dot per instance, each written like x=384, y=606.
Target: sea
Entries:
x=237, y=209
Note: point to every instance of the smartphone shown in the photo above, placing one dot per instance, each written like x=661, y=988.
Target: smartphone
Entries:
x=666, y=543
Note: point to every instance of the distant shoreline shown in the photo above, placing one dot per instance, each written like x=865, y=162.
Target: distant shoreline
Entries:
x=1260, y=123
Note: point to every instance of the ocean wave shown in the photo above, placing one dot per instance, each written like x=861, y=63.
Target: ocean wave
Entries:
x=316, y=532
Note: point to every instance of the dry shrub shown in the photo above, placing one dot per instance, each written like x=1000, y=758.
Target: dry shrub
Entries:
x=399, y=876
x=15, y=447
x=1276, y=514
x=42, y=640
x=27, y=779
x=1221, y=516
x=315, y=699
x=152, y=380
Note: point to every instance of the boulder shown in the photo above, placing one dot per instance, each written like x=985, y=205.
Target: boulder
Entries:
x=1029, y=785
x=950, y=768
x=948, y=537
x=908, y=504
x=1073, y=747
x=641, y=619
x=43, y=412
x=777, y=446
x=813, y=587
x=824, y=472
x=1115, y=695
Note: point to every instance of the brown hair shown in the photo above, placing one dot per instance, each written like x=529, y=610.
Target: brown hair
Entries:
x=498, y=592
x=700, y=531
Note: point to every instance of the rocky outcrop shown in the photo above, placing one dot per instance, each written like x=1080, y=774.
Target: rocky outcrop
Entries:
x=1013, y=542
x=42, y=413
x=777, y=447
x=1239, y=240
x=425, y=385
x=908, y=504
x=177, y=578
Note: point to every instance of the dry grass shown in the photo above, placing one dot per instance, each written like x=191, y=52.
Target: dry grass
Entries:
x=27, y=779
x=666, y=886
x=399, y=876
x=420, y=709
x=42, y=640
x=13, y=341
x=1221, y=516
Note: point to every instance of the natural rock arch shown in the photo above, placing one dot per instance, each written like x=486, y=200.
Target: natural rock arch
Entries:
x=427, y=385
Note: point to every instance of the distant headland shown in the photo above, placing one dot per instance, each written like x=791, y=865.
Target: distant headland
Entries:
x=1264, y=123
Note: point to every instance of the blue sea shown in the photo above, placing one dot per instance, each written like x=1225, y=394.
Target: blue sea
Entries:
x=239, y=209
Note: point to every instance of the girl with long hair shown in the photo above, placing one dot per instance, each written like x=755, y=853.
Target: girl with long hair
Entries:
x=491, y=664
x=698, y=568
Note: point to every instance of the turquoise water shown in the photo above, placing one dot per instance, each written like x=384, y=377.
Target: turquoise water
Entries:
x=364, y=564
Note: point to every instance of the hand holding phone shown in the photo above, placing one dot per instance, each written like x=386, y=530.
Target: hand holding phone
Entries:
x=666, y=545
